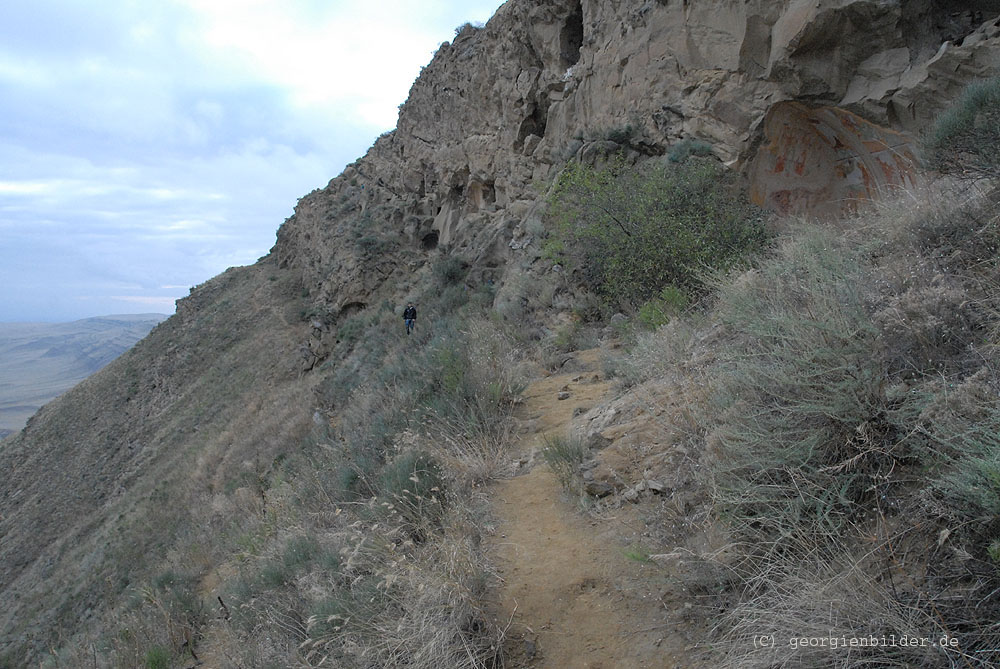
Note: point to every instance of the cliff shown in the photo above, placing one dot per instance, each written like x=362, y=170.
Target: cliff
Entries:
x=818, y=103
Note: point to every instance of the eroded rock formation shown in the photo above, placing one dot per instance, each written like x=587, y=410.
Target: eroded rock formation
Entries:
x=818, y=101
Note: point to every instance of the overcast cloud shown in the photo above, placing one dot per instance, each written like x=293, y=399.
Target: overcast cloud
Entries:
x=146, y=146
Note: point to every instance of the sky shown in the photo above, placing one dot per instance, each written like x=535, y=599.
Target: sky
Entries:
x=148, y=145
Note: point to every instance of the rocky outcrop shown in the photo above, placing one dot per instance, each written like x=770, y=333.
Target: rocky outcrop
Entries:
x=818, y=101
x=825, y=160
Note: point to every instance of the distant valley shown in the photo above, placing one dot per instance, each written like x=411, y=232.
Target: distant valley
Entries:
x=40, y=361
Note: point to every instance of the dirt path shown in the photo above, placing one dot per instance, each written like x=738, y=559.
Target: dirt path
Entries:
x=574, y=597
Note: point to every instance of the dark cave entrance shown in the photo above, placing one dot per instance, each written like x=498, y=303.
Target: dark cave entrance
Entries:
x=429, y=241
x=571, y=37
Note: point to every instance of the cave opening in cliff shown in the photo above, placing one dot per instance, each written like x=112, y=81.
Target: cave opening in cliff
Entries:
x=534, y=124
x=927, y=23
x=352, y=308
x=429, y=241
x=571, y=37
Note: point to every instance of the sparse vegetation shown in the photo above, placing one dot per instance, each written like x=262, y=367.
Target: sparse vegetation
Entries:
x=963, y=142
x=385, y=562
x=826, y=407
x=684, y=149
x=564, y=456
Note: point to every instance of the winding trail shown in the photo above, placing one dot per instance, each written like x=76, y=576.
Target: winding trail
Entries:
x=574, y=599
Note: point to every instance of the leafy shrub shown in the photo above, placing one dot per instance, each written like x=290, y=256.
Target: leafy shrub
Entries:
x=623, y=134
x=449, y=270
x=637, y=229
x=658, y=311
x=965, y=140
x=372, y=246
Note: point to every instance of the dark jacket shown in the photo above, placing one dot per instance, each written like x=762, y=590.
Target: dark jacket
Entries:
x=410, y=313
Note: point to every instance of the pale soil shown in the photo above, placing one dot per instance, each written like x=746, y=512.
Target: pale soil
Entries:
x=573, y=597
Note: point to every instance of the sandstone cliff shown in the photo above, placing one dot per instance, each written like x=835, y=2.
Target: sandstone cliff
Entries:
x=818, y=102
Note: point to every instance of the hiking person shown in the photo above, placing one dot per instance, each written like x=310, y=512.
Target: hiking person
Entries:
x=409, y=317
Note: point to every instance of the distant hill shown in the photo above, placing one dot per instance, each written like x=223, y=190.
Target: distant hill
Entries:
x=40, y=361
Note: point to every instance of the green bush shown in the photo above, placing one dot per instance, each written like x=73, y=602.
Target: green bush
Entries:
x=965, y=140
x=658, y=311
x=623, y=134
x=449, y=270
x=634, y=230
x=274, y=574
x=299, y=552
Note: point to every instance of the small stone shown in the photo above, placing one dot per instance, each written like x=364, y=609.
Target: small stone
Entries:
x=598, y=488
x=563, y=395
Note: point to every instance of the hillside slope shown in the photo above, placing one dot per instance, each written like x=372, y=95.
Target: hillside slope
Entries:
x=39, y=361
x=97, y=485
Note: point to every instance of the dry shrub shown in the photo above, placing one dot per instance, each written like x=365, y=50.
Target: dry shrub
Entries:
x=806, y=431
x=472, y=457
x=659, y=353
x=927, y=327
x=791, y=607
x=936, y=278
x=397, y=603
x=853, y=442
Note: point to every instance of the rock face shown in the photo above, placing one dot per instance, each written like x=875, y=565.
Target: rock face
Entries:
x=824, y=160
x=818, y=101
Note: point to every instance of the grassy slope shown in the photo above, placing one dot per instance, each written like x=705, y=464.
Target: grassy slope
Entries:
x=845, y=427
x=102, y=482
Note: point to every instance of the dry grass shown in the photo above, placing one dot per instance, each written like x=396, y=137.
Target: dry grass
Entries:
x=387, y=511
x=851, y=440
x=793, y=611
x=401, y=604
